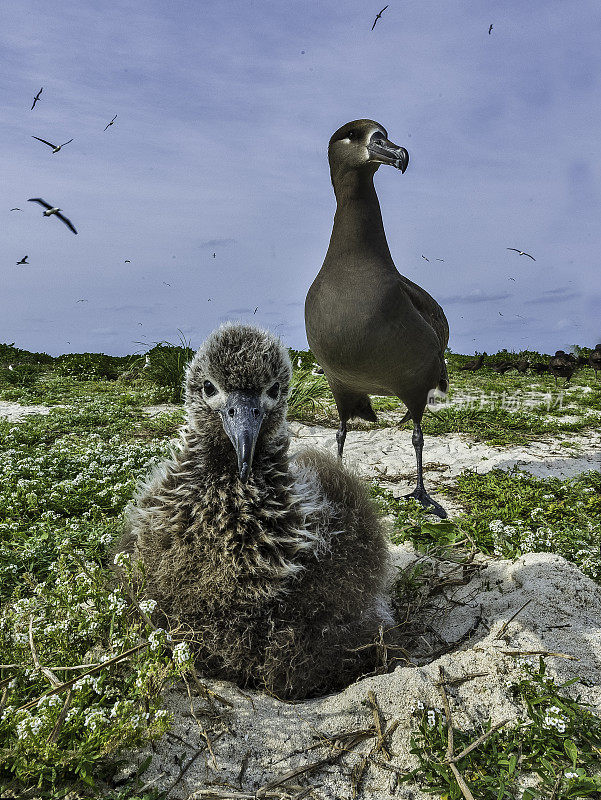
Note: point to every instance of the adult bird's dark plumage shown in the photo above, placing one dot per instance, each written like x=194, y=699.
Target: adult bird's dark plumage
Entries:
x=55, y=147
x=474, y=365
x=23, y=260
x=379, y=14
x=521, y=252
x=279, y=565
x=111, y=122
x=540, y=368
x=53, y=211
x=562, y=366
x=594, y=359
x=372, y=330
x=36, y=98
x=502, y=367
x=522, y=365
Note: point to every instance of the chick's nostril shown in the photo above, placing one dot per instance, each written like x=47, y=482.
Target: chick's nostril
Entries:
x=256, y=412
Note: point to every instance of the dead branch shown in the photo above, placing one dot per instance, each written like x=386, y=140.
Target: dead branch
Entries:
x=54, y=681
x=505, y=625
x=465, y=790
x=68, y=684
x=539, y=653
x=60, y=719
x=477, y=742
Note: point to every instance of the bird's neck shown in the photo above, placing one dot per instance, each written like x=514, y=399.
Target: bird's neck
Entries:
x=358, y=226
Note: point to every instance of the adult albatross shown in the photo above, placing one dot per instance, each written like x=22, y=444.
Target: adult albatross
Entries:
x=372, y=330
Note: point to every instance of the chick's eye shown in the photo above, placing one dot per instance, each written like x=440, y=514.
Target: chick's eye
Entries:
x=274, y=391
x=350, y=135
x=209, y=388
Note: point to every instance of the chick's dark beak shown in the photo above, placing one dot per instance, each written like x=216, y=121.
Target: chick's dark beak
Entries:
x=242, y=416
x=386, y=152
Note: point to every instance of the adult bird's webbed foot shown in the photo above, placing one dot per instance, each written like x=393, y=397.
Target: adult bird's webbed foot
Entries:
x=422, y=496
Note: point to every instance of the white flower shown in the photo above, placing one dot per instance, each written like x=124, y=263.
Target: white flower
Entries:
x=106, y=538
x=157, y=637
x=148, y=606
x=431, y=718
x=181, y=653
x=569, y=775
x=121, y=559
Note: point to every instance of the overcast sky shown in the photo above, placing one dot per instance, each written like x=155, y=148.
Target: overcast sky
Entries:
x=213, y=180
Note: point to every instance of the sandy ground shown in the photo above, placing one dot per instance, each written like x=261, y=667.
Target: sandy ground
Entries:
x=260, y=738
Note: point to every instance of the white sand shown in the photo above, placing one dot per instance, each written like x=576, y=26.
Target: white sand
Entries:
x=269, y=737
x=14, y=411
x=272, y=737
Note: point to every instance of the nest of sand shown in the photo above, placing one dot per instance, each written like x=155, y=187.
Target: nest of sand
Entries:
x=486, y=615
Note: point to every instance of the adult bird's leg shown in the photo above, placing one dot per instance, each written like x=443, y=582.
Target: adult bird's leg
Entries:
x=341, y=436
x=419, y=493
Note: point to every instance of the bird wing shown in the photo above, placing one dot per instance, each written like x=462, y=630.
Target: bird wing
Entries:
x=40, y=201
x=64, y=143
x=44, y=140
x=428, y=308
x=514, y=249
x=529, y=256
x=67, y=222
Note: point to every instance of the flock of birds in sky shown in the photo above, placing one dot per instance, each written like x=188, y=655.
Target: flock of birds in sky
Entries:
x=49, y=209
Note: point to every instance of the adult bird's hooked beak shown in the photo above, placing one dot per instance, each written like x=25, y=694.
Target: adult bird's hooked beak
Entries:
x=384, y=151
x=242, y=416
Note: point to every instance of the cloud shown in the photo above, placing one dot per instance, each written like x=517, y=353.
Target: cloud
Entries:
x=475, y=296
x=554, y=298
x=212, y=243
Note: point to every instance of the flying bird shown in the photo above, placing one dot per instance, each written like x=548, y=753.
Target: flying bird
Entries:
x=490, y=30
x=50, y=210
x=440, y=259
x=378, y=17
x=23, y=260
x=521, y=252
x=16, y=209
x=111, y=122
x=214, y=255
x=82, y=301
x=256, y=309
x=36, y=98
x=55, y=147
x=166, y=284
x=511, y=279
x=127, y=261
x=426, y=259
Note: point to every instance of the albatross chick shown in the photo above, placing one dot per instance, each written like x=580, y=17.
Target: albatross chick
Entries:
x=279, y=565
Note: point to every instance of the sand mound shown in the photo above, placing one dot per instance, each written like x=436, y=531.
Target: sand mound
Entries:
x=260, y=738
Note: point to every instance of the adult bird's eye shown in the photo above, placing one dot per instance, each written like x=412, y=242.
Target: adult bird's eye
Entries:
x=274, y=391
x=209, y=388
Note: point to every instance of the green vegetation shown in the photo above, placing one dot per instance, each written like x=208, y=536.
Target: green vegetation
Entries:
x=558, y=743
x=66, y=477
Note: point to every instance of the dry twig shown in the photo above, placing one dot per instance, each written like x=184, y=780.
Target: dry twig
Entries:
x=450, y=755
x=60, y=719
x=63, y=687
x=54, y=681
x=505, y=625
